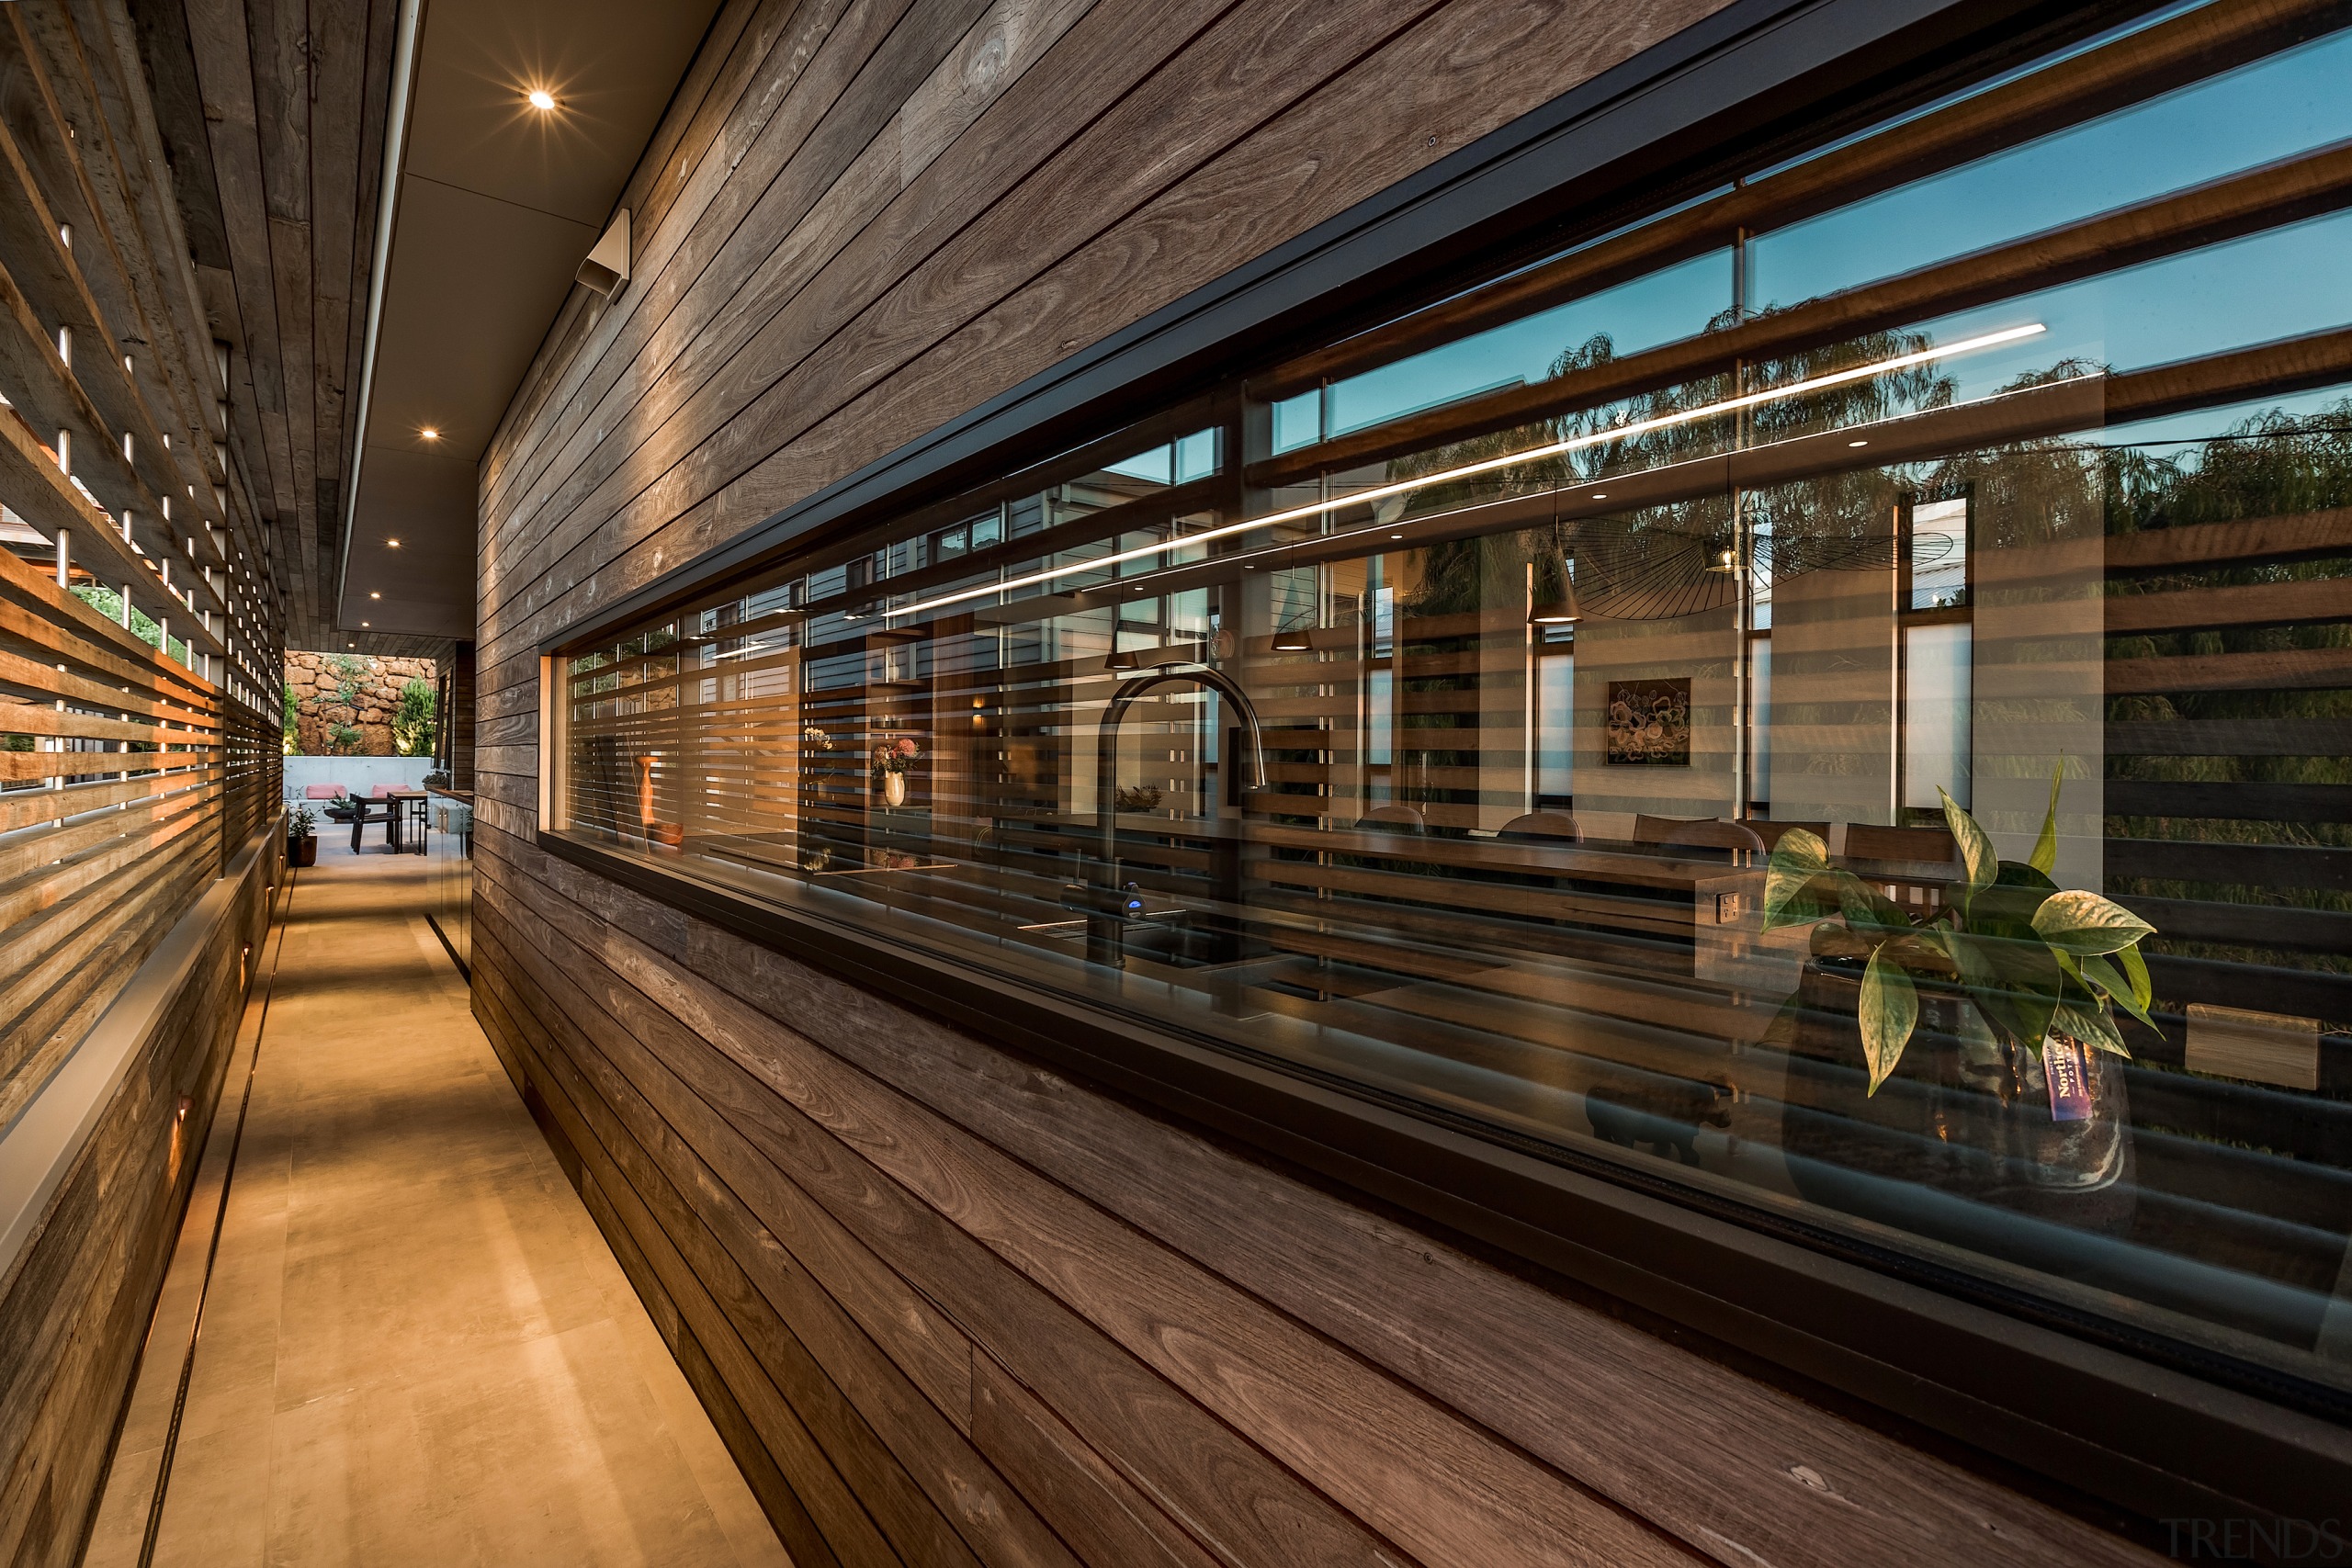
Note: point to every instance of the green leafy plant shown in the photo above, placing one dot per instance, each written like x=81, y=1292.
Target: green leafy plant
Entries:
x=302, y=825
x=292, y=739
x=349, y=670
x=344, y=740
x=412, y=721
x=2034, y=957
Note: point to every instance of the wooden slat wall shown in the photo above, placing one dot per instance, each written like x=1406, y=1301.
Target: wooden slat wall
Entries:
x=75, y=1305
x=132, y=777
x=115, y=793
x=459, y=744
x=947, y=1308
x=118, y=408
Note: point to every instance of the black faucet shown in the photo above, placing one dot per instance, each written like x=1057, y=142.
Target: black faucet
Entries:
x=1110, y=908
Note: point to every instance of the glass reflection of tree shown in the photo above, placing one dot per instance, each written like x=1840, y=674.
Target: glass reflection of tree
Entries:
x=1654, y=549
x=1456, y=580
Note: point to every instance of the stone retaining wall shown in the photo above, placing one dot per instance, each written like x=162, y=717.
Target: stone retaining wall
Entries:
x=333, y=690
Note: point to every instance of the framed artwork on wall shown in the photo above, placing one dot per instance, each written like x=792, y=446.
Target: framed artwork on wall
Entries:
x=1649, y=724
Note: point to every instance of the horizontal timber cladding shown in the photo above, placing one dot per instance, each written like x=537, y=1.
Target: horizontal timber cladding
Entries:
x=688, y=413
x=945, y=1306
x=957, y=1274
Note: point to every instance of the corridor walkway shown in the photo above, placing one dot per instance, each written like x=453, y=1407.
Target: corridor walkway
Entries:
x=416, y=1347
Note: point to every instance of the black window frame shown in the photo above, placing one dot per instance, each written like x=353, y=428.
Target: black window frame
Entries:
x=2158, y=1429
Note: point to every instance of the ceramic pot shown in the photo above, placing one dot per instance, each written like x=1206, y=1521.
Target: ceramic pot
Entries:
x=1965, y=1112
x=303, y=852
x=894, y=790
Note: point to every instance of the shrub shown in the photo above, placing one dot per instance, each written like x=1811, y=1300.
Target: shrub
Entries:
x=412, y=722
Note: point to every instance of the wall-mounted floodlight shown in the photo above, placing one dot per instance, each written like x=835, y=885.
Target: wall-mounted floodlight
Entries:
x=607, y=268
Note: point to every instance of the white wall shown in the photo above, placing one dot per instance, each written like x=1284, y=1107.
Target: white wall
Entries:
x=359, y=774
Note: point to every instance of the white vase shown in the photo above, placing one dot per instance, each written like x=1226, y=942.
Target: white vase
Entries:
x=894, y=790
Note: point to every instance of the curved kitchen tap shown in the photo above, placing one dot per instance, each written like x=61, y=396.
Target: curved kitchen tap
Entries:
x=1101, y=944
x=1107, y=756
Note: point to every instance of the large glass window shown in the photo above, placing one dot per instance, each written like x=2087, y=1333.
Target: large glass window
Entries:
x=1891, y=773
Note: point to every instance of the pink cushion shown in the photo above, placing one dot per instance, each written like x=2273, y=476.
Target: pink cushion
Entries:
x=323, y=792
x=380, y=791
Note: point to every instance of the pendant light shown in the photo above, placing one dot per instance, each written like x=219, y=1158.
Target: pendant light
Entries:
x=1555, y=609
x=1558, y=612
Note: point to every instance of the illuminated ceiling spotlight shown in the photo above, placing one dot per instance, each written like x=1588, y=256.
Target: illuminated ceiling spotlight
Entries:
x=395, y=543
x=373, y=594
x=541, y=99
x=430, y=433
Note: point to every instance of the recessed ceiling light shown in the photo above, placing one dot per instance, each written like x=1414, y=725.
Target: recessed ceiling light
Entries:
x=541, y=99
x=430, y=433
x=1600, y=495
x=362, y=625
x=1856, y=443
x=1396, y=536
x=393, y=543
x=373, y=594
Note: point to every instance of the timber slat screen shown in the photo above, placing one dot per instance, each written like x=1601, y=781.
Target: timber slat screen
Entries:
x=114, y=789
x=137, y=642
x=140, y=672
x=133, y=679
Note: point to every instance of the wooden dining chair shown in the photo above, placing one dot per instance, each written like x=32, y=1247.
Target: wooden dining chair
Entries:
x=1697, y=833
x=1921, y=893
x=1540, y=826
x=1716, y=835
x=1867, y=840
x=1770, y=832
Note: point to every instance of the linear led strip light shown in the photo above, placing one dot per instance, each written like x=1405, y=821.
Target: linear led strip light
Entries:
x=1488, y=466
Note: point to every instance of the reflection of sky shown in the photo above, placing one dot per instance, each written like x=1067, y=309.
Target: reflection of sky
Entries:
x=2279, y=284
x=2266, y=111
x=2206, y=424
x=1676, y=302
x=2272, y=286
x=1179, y=462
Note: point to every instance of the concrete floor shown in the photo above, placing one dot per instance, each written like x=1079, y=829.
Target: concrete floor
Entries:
x=416, y=1347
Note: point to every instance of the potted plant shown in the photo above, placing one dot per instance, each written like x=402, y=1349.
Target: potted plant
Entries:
x=303, y=838
x=1980, y=1035
x=891, y=760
